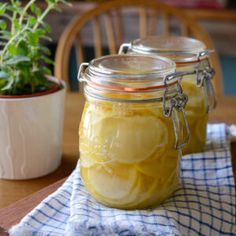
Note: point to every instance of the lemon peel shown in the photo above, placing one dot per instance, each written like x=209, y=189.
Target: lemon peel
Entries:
x=113, y=182
x=160, y=166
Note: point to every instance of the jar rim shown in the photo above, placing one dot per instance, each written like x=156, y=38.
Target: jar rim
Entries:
x=129, y=72
x=131, y=89
x=130, y=66
x=178, y=48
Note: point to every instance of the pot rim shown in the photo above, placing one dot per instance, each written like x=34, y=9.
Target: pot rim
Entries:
x=55, y=88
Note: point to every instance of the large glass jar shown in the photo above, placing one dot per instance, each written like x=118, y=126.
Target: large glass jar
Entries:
x=191, y=58
x=131, y=131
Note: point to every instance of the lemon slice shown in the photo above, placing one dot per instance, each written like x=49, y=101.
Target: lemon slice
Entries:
x=87, y=161
x=201, y=127
x=196, y=100
x=145, y=188
x=90, y=153
x=135, y=191
x=142, y=191
x=125, y=191
x=111, y=181
x=131, y=139
x=92, y=160
x=197, y=127
x=157, y=191
x=124, y=138
x=162, y=191
x=160, y=167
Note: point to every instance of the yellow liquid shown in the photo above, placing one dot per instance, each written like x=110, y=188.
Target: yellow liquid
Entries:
x=127, y=154
x=197, y=116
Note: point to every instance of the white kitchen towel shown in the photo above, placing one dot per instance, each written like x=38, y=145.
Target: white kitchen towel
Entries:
x=203, y=204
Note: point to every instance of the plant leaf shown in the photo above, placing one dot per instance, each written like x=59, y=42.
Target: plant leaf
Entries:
x=47, y=60
x=16, y=24
x=40, y=32
x=47, y=71
x=3, y=75
x=24, y=58
x=3, y=24
x=17, y=59
x=45, y=50
x=12, y=49
x=14, y=8
x=47, y=27
x=33, y=38
x=8, y=85
x=2, y=84
x=6, y=33
x=3, y=8
x=22, y=48
x=36, y=10
x=32, y=20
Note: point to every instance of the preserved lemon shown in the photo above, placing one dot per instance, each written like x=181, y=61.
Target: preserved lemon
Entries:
x=197, y=116
x=123, y=154
x=129, y=156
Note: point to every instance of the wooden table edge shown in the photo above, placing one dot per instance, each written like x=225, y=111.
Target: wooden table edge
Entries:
x=11, y=214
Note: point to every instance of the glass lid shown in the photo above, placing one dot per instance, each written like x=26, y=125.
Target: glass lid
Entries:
x=131, y=66
x=129, y=71
x=176, y=48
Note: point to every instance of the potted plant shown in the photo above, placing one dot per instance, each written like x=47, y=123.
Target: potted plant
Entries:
x=31, y=101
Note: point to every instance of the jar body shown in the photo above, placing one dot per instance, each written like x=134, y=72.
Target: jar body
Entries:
x=191, y=58
x=197, y=117
x=196, y=112
x=127, y=154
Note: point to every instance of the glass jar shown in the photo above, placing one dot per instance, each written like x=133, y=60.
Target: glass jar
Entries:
x=131, y=130
x=191, y=58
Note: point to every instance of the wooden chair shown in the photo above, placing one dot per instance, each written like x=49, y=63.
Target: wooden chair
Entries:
x=112, y=22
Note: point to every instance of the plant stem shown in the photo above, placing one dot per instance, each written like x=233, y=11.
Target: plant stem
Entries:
x=10, y=41
x=12, y=19
x=25, y=10
x=12, y=25
x=50, y=7
x=6, y=16
x=40, y=19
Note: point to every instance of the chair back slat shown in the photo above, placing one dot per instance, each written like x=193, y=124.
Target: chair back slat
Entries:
x=142, y=22
x=165, y=23
x=153, y=22
x=111, y=26
x=97, y=37
x=79, y=50
x=183, y=30
x=110, y=32
x=118, y=22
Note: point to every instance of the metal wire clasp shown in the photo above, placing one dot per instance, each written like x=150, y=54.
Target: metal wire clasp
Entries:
x=173, y=106
x=124, y=48
x=82, y=68
x=210, y=96
x=205, y=74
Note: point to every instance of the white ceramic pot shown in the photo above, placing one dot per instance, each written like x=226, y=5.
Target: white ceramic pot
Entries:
x=31, y=135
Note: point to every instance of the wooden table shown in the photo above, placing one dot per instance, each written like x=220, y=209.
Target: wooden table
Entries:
x=12, y=191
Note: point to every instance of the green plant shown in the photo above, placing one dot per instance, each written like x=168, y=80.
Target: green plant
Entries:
x=22, y=55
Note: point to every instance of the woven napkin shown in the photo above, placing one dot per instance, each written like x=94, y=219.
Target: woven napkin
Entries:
x=203, y=204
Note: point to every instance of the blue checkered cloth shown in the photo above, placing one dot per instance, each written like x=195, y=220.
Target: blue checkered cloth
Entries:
x=204, y=203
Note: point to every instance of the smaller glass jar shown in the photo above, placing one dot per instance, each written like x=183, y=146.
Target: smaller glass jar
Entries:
x=192, y=59
x=131, y=130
